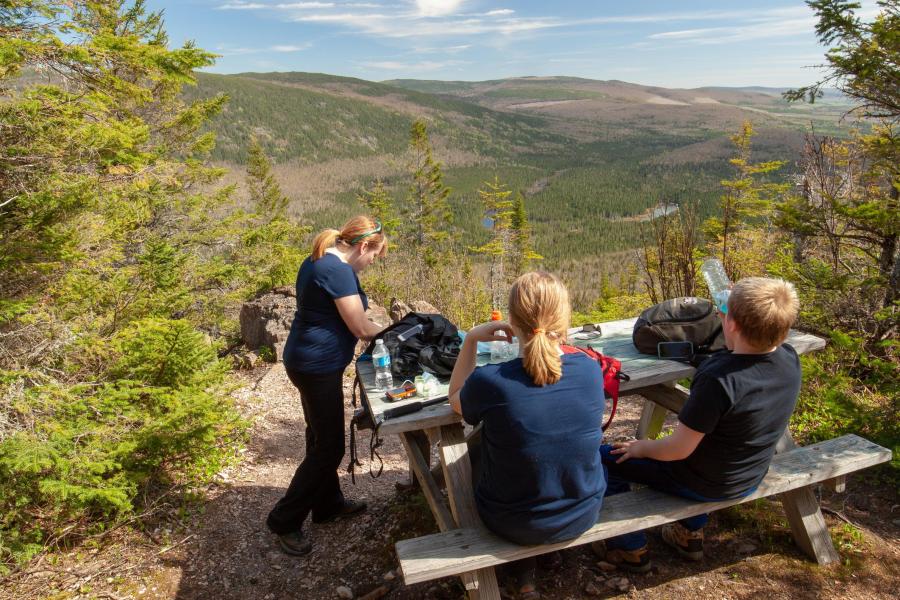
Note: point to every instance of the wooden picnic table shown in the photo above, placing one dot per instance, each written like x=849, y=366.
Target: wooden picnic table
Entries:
x=652, y=378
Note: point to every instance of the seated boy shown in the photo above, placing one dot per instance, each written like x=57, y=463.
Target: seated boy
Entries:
x=739, y=406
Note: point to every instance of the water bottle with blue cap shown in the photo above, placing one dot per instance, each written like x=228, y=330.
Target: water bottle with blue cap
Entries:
x=718, y=282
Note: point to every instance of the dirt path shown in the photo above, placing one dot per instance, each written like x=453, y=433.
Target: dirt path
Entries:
x=223, y=550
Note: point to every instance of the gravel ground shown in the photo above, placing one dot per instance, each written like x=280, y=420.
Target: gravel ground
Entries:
x=221, y=549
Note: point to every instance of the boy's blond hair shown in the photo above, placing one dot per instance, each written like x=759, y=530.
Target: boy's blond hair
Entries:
x=764, y=310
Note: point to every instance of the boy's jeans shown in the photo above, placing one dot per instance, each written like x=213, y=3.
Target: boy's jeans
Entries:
x=650, y=472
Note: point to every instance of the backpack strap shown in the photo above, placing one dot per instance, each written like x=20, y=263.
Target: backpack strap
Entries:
x=612, y=375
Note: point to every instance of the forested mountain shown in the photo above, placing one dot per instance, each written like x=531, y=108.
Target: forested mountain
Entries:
x=592, y=158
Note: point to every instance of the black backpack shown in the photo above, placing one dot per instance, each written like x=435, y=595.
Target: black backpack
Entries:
x=687, y=319
x=421, y=340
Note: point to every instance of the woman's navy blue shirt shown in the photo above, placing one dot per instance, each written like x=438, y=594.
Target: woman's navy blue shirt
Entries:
x=541, y=478
x=320, y=341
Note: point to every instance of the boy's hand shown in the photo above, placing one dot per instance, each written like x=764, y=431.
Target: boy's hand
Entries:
x=632, y=449
x=487, y=332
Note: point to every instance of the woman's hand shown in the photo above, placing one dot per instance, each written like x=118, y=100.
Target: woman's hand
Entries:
x=630, y=449
x=489, y=332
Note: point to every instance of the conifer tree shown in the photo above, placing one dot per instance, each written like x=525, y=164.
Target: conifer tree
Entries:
x=498, y=210
x=380, y=205
x=265, y=193
x=746, y=201
x=523, y=253
x=427, y=218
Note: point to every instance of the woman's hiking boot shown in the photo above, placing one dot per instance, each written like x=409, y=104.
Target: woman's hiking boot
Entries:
x=689, y=544
x=294, y=543
x=346, y=509
x=633, y=561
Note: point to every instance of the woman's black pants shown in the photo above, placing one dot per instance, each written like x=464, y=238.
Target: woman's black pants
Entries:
x=315, y=487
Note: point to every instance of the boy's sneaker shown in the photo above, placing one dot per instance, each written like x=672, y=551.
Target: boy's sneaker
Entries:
x=688, y=543
x=633, y=561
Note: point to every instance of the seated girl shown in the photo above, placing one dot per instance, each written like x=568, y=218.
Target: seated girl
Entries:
x=541, y=479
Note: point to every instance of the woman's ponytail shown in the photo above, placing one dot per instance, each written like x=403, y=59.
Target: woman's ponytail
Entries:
x=539, y=308
x=324, y=240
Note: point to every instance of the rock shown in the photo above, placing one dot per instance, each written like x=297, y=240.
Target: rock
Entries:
x=618, y=583
x=605, y=566
x=592, y=590
x=285, y=290
x=266, y=320
x=398, y=310
x=745, y=548
x=389, y=576
x=420, y=306
x=344, y=592
x=244, y=360
x=378, y=315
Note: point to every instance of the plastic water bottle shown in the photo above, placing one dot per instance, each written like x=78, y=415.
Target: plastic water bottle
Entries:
x=717, y=281
x=499, y=349
x=381, y=358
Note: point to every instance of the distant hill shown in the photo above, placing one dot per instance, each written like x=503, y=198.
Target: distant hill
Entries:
x=592, y=158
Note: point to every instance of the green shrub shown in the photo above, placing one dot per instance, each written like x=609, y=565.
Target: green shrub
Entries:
x=90, y=450
x=846, y=389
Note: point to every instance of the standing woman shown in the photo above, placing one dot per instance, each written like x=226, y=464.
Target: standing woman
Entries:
x=541, y=479
x=330, y=318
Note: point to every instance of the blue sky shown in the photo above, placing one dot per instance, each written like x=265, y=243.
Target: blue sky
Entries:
x=653, y=42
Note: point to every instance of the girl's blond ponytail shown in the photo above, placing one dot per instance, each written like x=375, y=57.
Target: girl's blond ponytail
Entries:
x=539, y=308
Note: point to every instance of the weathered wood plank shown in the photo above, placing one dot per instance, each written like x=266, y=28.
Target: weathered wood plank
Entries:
x=652, y=418
x=804, y=515
x=808, y=525
x=473, y=547
x=482, y=584
x=432, y=492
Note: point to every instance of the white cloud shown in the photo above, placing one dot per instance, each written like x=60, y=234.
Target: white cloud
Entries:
x=242, y=6
x=226, y=50
x=390, y=65
x=499, y=12
x=437, y=8
x=443, y=49
x=762, y=28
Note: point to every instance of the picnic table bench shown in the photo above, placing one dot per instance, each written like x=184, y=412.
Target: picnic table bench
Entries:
x=466, y=548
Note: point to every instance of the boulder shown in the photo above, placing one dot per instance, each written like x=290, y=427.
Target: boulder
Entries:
x=420, y=306
x=399, y=309
x=266, y=320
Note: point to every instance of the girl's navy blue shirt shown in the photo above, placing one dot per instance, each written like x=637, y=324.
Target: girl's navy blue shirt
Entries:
x=320, y=341
x=541, y=476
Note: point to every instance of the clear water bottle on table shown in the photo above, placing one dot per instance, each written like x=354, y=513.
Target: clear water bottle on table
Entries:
x=381, y=359
x=717, y=281
x=500, y=349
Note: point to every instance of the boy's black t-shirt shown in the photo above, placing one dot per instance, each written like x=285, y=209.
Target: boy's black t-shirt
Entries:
x=742, y=403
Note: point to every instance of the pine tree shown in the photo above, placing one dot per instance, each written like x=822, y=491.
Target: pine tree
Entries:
x=746, y=202
x=427, y=218
x=498, y=210
x=380, y=205
x=265, y=193
x=523, y=253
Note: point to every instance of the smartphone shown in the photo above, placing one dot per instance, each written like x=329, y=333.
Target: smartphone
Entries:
x=675, y=350
x=399, y=393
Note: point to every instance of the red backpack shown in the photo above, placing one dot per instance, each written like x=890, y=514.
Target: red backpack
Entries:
x=612, y=375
